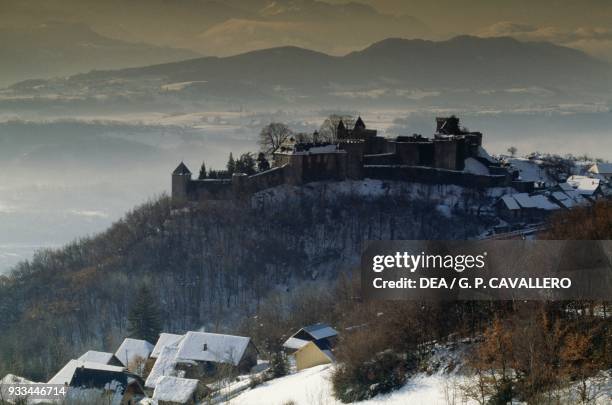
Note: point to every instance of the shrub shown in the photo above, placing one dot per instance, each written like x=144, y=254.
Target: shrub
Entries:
x=278, y=365
x=384, y=373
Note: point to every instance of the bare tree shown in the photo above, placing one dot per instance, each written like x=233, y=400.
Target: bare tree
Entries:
x=512, y=151
x=329, y=129
x=272, y=136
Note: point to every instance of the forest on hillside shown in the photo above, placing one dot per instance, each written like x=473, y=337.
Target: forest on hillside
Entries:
x=210, y=266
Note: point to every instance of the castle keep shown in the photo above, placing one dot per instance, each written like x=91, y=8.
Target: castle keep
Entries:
x=453, y=155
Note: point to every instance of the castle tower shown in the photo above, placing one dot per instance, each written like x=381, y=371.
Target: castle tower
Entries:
x=359, y=125
x=181, y=178
x=341, y=131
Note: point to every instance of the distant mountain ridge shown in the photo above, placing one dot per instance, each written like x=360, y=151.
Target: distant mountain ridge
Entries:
x=54, y=49
x=392, y=69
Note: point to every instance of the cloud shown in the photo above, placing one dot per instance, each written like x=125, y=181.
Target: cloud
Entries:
x=596, y=41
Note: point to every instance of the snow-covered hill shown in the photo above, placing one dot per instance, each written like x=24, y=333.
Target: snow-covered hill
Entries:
x=313, y=387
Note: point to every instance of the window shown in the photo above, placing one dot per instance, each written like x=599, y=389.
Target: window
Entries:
x=204, y=347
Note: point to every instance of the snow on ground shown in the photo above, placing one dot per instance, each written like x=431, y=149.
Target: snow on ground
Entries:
x=443, y=194
x=530, y=170
x=313, y=387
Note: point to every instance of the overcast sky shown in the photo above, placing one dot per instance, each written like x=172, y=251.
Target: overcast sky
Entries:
x=334, y=26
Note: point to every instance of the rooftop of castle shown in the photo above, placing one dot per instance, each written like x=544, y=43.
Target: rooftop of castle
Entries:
x=181, y=170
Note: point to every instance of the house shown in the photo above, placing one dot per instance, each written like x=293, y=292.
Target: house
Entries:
x=100, y=357
x=175, y=390
x=165, y=339
x=105, y=386
x=132, y=351
x=312, y=345
x=320, y=332
x=313, y=354
x=64, y=376
x=587, y=187
x=508, y=208
x=165, y=365
x=525, y=207
x=604, y=170
x=200, y=354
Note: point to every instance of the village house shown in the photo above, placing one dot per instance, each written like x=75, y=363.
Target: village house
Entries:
x=176, y=390
x=312, y=345
x=90, y=385
x=200, y=355
x=603, y=170
x=525, y=207
x=99, y=381
x=588, y=187
x=100, y=357
x=133, y=353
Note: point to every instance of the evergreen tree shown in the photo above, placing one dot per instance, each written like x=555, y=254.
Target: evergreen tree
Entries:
x=245, y=164
x=262, y=162
x=231, y=164
x=278, y=365
x=202, y=175
x=144, y=317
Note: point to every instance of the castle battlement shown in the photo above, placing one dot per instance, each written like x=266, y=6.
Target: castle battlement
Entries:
x=453, y=155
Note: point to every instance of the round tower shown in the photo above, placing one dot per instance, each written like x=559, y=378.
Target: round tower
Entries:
x=181, y=178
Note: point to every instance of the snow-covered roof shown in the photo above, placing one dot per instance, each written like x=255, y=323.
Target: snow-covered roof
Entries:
x=543, y=203
x=203, y=346
x=510, y=202
x=64, y=376
x=131, y=349
x=473, y=166
x=175, y=389
x=96, y=357
x=584, y=185
x=530, y=170
x=524, y=200
x=482, y=153
x=164, y=366
x=294, y=343
x=165, y=339
x=564, y=199
x=320, y=331
x=538, y=201
x=601, y=168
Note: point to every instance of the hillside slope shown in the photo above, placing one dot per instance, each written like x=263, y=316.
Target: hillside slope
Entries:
x=210, y=267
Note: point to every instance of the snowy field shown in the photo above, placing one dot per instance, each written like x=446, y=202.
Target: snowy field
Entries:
x=313, y=387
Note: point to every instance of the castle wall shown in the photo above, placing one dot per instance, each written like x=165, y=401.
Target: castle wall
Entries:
x=210, y=189
x=449, y=154
x=381, y=159
x=355, y=152
x=324, y=166
x=435, y=176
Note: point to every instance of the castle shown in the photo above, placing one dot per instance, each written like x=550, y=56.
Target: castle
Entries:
x=453, y=155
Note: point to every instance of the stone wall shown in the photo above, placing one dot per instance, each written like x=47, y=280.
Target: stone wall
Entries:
x=435, y=176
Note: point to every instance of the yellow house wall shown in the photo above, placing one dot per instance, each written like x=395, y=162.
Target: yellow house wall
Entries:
x=310, y=356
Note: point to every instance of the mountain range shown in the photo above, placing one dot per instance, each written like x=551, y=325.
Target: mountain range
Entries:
x=462, y=69
x=56, y=49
